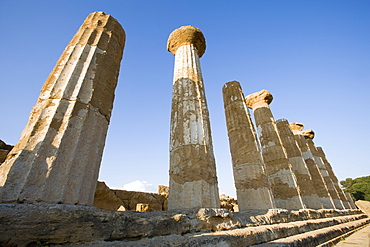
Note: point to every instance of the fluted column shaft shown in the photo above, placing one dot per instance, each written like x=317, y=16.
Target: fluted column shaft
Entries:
x=294, y=154
x=320, y=164
x=350, y=200
x=317, y=179
x=251, y=182
x=193, y=180
x=280, y=175
x=58, y=157
x=334, y=178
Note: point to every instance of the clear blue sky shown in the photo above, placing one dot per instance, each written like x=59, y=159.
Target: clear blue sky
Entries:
x=313, y=56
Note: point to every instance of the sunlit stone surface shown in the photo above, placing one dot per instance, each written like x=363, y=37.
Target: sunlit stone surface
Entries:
x=309, y=135
x=294, y=154
x=193, y=180
x=58, y=157
x=251, y=182
x=280, y=175
x=317, y=179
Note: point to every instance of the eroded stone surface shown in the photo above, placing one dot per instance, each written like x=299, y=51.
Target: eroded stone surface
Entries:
x=334, y=178
x=157, y=202
x=309, y=135
x=70, y=224
x=250, y=179
x=364, y=206
x=259, y=99
x=294, y=154
x=142, y=207
x=193, y=180
x=106, y=199
x=317, y=178
x=229, y=203
x=278, y=169
x=58, y=157
x=186, y=35
x=350, y=200
x=163, y=190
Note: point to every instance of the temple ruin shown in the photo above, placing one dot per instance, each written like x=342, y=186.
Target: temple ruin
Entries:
x=317, y=178
x=58, y=157
x=309, y=135
x=251, y=182
x=294, y=154
x=279, y=172
x=287, y=191
x=193, y=179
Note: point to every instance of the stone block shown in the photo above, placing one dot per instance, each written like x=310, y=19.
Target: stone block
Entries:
x=105, y=198
x=364, y=206
x=72, y=225
x=142, y=207
x=131, y=198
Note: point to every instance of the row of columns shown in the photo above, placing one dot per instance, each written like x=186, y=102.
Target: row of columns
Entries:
x=58, y=157
x=274, y=165
x=298, y=173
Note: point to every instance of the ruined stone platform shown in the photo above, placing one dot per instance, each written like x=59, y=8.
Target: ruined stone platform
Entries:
x=71, y=225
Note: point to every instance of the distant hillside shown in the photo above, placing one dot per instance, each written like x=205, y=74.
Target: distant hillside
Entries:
x=359, y=188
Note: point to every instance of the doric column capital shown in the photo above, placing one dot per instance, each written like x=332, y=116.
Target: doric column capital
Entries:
x=186, y=35
x=296, y=128
x=309, y=134
x=259, y=99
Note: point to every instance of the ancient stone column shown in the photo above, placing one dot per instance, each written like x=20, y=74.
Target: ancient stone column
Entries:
x=193, y=180
x=317, y=179
x=251, y=182
x=350, y=200
x=280, y=175
x=58, y=157
x=309, y=135
x=294, y=154
x=334, y=178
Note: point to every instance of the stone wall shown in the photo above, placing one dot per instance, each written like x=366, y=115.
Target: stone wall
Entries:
x=122, y=200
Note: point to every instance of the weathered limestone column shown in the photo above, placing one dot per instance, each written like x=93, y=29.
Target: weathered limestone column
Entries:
x=334, y=178
x=193, y=180
x=309, y=135
x=281, y=178
x=58, y=157
x=294, y=154
x=350, y=200
x=251, y=182
x=317, y=179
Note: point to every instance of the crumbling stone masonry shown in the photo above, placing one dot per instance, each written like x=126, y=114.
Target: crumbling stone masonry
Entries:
x=309, y=135
x=334, y=178
x=304, y=180
x=251, y=182
x=193, y=180
x=278, y=169
x=58, y=157
x=350, y=200
x=317, y=179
